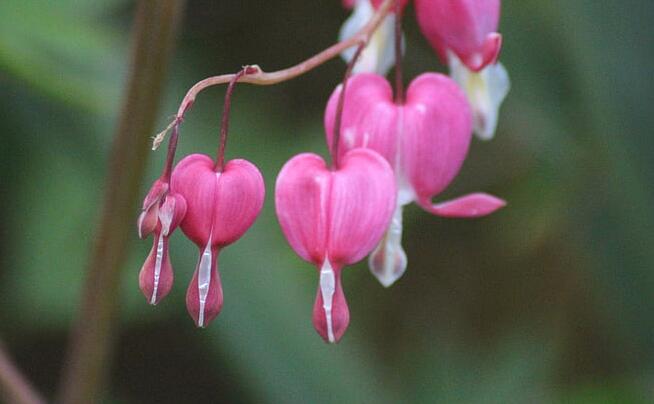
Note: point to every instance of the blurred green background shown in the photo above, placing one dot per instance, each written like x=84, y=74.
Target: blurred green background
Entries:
x=548, y=300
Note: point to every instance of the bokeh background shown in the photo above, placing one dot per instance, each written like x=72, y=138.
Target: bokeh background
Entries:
x=548, y=300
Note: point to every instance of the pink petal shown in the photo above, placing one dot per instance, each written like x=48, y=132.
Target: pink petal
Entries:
x=219, y=205
x=341, y=213
x=147, y=221
x=301, y=200
x=362, y=203
x=156, y=276
x=204, y=297
x=463, y=26
x=468, y=206
x=370, y=118
x=437, y=129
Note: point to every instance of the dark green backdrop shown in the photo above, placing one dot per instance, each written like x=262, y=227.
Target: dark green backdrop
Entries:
x=549, y=300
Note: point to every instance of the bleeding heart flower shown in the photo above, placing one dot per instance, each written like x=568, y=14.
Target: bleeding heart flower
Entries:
x=221, y=206
x=334, y=218
x=379, y=55
x=464, y=34
x=156, y=276
x=425, y=140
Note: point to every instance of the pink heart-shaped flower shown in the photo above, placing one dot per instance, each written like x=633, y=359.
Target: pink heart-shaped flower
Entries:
x=221, y=206
x=333, y=218
x=425, y=139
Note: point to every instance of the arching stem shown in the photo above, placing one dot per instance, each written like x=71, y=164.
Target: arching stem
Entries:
x=224, y=126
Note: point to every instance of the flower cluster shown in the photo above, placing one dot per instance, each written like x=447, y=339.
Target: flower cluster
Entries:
x=388, y=149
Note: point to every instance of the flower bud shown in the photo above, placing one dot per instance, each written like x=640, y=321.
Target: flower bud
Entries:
x=156, y=276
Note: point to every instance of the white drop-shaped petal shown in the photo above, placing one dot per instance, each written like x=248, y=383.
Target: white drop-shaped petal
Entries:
x=485, y=90
x=379, y=55
x=388, y=261
x=204, y=280
x=327, y=290
x=157, y=268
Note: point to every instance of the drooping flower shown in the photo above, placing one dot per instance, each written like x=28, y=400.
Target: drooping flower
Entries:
x=221, y=206
x=464, y=34
x=379, y=55
x=333, y=218
x=156, y=276
x=425, y=140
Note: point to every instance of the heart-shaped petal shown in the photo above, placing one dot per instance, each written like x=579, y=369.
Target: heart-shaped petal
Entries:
x=338, y=214
x=332, y=218
x=426, y=139
x=221, y=206
x=436, y=133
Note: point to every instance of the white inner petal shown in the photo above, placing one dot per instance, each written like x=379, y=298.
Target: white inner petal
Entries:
x=388, y=262
x=485, y=90
x=157, y=268
x=204, y=279
x=327, y=289
x=379, y=55
x=166, y=215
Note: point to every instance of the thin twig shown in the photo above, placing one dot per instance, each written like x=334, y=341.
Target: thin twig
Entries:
x=14, y=387
x=265, y=79
x=90, y=347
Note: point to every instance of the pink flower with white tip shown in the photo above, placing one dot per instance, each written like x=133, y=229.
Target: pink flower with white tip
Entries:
x=334, y=218
x=222, y=204
x=464, y=34
x=156, y=276
x=425, y=139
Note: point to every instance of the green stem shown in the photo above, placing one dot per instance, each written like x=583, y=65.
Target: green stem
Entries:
x=91, y=341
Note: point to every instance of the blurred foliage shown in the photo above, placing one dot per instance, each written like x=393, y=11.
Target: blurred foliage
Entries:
x=549, y=300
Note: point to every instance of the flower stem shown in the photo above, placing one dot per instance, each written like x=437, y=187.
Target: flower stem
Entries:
x=14, y=388
x=399, y=83
x=259, y=77
x=339, y=107
x=224, y=126
x=90, y=347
